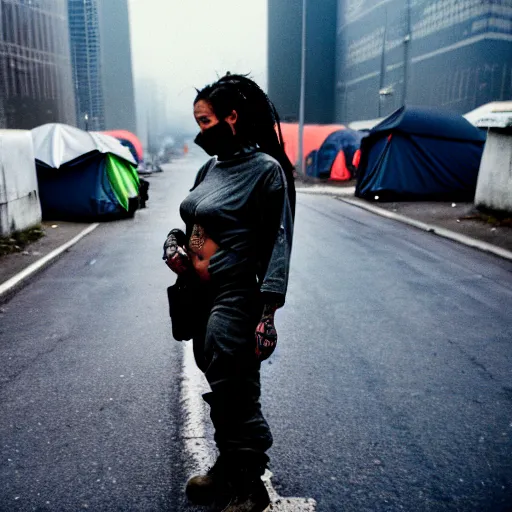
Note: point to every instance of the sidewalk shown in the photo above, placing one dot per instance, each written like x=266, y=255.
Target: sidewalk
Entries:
x=18, y=268
x=457, y=221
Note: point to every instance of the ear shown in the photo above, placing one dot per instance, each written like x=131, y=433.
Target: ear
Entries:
x=232, y=119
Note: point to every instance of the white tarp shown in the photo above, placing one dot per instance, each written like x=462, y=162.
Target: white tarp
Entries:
x=56, y=144
x=365, y=125
x=19, y=195
x=497, y=114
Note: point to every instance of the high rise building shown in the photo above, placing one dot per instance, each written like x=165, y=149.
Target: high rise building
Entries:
x=445, y=53
x=284, y=58
x=36, y=85
x=116, y=64
x=453, y=54
x=84, y=36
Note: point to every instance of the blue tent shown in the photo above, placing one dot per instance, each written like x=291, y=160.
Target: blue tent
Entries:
x=347, y=141
x=420, y=153
x=84, y=175
x=311, y=167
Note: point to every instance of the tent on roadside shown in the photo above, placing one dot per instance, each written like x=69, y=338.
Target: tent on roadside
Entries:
x=333, y=159
x=130, y=140
x=314, y=136
x=420, y=153
x=84, y=175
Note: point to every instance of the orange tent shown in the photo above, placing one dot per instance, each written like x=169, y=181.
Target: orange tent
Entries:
x=314, y=135
x=131, y=138
x=339, y=171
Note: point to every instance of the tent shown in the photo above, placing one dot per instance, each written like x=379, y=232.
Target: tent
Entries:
x=334, y=157
x=420, y=153
x=130, y=140
x=314, y=135
x=84, y=175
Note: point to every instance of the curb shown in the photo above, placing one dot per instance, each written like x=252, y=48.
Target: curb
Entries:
x=13, y=284
x=431, y=228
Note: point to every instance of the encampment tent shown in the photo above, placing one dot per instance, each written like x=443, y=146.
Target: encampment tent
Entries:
x=420, y=153
x=314, y=135
x=84, y=175
x=333, y=159
x=130, y=140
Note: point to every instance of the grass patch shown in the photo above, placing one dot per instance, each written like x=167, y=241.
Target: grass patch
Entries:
x=18, y=241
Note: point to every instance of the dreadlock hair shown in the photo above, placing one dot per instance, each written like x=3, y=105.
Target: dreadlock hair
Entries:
x=257, y=122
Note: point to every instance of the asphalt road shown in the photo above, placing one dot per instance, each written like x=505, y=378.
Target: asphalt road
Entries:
x=390, y=388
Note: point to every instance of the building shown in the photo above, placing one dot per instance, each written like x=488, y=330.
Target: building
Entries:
x=84, y=37
x=454, y=54
x=36, y=85
x=284, y=58
x=116, y=63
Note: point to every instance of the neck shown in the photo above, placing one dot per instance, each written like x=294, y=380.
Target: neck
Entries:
x=238, y=152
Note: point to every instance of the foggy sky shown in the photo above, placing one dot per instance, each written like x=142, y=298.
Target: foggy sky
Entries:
x=182, y=44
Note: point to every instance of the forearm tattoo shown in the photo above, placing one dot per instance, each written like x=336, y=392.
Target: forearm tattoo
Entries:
x=268, y=311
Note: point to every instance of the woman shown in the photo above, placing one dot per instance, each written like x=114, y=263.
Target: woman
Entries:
x=239, y=225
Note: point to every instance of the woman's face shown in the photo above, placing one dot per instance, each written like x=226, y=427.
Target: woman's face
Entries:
x=206, y=118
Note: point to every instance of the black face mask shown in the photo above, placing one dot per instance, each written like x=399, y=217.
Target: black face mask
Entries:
x=218, y=140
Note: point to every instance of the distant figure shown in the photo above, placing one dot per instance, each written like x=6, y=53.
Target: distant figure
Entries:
x=185, y=149
x=239, y=226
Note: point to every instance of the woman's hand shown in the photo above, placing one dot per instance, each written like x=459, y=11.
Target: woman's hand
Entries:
x=175, y=253
x=266, y=334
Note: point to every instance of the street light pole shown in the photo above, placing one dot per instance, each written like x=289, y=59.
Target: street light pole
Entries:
x=302, y=91
x=86, y=118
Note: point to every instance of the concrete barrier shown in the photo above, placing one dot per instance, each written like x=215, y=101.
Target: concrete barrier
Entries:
x=19, y=195
x=494, y=185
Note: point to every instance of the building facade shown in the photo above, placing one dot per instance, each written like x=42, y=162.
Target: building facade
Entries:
x=84, y=37
x=116, y=63
x=453, y=54
x=36, y=85
x=284, y=58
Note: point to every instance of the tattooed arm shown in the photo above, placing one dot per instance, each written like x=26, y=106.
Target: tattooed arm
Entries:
x=175, y=253
x=266, y=334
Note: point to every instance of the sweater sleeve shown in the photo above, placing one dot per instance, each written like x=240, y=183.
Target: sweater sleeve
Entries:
x=277, y=226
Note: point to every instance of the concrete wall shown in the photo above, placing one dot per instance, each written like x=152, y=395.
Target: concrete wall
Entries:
x=494, y=186
x=19, y=195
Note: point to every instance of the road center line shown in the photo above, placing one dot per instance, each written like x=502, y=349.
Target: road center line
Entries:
x=201, y=452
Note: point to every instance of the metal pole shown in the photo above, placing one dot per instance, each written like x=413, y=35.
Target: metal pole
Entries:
x=407, y=42
x=302, y=91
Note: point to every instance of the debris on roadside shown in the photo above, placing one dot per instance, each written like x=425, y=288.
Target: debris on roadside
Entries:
x=17, y=242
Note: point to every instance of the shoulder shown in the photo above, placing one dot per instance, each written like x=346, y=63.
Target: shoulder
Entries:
x=270, y=169
x=203, y=170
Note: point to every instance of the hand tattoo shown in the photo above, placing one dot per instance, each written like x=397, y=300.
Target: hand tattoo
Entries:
x=266, y=334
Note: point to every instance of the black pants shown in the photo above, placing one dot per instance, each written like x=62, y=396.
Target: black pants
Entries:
x=224, y=350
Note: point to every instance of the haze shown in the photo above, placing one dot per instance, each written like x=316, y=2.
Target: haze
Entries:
x=178, y=45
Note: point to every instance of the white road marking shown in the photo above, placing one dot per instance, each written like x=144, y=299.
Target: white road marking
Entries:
x=17, y=280
x=201, y=451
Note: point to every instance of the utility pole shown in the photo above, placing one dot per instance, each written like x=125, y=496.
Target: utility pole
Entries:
x=302, y=100
x=407, y=43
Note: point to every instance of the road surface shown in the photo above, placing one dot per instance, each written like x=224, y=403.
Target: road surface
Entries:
x=390, y=388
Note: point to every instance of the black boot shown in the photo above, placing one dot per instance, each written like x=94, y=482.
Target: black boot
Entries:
x=210, y=488
x=247, y=491
x=250, y=496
